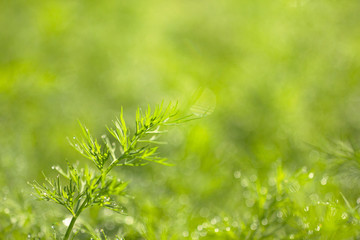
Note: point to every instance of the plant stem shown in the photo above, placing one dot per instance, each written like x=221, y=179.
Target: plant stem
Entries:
x=73, y=220
x=70, y=227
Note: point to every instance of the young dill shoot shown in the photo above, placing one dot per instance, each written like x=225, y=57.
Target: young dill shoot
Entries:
x=87, y=187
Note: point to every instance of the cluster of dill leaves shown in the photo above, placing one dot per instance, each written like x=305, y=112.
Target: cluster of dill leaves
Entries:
x=86, y=187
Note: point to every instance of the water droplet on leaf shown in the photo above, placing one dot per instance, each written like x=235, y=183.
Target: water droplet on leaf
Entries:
x=237, y=174
x=264, y=221
x=324, y=180
x=253, y=226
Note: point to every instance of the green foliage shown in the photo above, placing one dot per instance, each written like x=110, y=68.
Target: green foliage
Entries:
x=275, y=210
x=278, y=77
x=86, y=188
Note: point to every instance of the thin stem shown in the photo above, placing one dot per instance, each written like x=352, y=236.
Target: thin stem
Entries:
x=70, y=227
x=113, y=164
x=73, y=220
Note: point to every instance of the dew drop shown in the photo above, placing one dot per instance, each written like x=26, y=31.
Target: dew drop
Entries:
x=244, y=182
x=311, y=175
x=237, y=174
x=216, y=230
x=263, y=190
x=324, y=180
x=253, y=226
x=272, y=181
x=129, y=220
x=264, y=221
x=250, y=203
x=206, y=225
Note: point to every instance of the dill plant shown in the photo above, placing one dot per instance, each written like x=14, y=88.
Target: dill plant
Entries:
x=88, y=187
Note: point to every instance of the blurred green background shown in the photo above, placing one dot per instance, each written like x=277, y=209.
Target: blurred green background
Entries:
x=281, y=76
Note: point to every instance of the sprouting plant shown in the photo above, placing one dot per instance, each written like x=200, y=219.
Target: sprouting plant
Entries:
x=86, y=187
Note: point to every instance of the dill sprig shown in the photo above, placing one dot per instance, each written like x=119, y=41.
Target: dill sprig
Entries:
x=87, y=187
